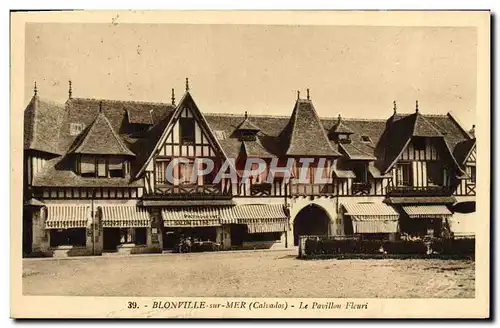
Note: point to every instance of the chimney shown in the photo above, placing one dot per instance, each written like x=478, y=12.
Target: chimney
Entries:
x=308, y=94
x=298, y=95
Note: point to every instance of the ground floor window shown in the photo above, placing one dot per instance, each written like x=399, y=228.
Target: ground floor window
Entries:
x=267, y=236
x=118, y=236
x=68, y=237
x=172, y=236
x=422, y=226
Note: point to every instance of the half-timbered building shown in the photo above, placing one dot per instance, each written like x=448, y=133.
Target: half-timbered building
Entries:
x=96, y=176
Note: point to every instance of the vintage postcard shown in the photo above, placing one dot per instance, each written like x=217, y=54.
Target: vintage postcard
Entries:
x=278, y=164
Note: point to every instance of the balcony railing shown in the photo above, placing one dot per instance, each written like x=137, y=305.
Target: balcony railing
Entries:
x=312, y=189
x=361, y=188
x=208, y=191
x=410, y=191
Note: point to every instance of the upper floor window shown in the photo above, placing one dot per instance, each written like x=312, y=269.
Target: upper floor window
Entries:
x=76, y=128
x=419, y=143
x=435, y=174
x=187, y=130
x=220, y=134
x=101, y=167
x=361, y=172
x=471, y=171
x=403, y=174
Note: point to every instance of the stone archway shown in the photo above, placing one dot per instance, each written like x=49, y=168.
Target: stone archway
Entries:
x=311, y=220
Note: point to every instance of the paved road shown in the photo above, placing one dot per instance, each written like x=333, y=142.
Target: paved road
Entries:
x=247, y=274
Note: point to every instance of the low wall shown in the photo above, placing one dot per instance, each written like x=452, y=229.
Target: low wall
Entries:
x=137, y=249
x=69, y=251
x=276, y=244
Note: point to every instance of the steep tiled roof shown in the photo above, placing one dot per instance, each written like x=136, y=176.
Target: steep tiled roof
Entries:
x=305, y=135
x=463, y=149
x=47, y=128
x=42, y=125
x=341, y=128
x=256, y=149
x=248, y=126
x=100, y=139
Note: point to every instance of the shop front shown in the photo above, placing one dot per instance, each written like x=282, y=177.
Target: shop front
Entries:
x=370, y=220
x=257, y=226
x=127, y=229
x=67, y=229
x=201, y=223
x=425, y=220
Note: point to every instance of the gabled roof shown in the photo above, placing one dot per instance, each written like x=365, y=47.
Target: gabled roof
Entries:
x=100, y=139
x=305, y=134
x=341, y=128
x=42, y=125
x=256, y=149
x=423, y=128
x=246, y=125
x=355, y=153
x=463, y=149
x=401, y=128
x=187, y=100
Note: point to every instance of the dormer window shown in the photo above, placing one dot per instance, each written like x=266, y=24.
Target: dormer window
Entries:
x=102, y=167
x=366, y=139
x=76, y=128
x=187, y=130
x=419, y=143
x=220, y=135
x=246, y=130
x=343, y=138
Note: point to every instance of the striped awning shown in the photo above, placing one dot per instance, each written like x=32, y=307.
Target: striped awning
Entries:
x=259, y=218
x=124, y=216
x=427, y=211
x=205, y=216
x=67, y=216
x=372, y=217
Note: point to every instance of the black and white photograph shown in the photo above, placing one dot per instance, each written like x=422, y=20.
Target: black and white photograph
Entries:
x=272, y=169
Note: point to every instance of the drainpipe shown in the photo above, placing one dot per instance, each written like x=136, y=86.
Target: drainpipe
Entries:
x=93, y=220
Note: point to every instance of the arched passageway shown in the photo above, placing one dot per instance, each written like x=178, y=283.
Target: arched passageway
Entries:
x=311, y=220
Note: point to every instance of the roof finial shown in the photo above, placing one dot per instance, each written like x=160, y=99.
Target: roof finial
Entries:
x=308, y=94
x=340, y=118
x=395, y=108
x=298, y=94
x=187, y=84
x=416, y=106
x=35, y=90
x=246, y=115
x=100, y=106
x=70, y=90
x=173, y=97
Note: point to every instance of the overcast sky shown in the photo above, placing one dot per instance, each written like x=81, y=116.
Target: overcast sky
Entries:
x=355, y=71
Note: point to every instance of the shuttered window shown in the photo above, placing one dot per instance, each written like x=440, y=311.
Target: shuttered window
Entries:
x=87, y=166
x=116, y=168
x=101, y=167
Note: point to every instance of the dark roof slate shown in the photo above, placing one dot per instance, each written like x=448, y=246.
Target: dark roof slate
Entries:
x=246, y=125
x=463, y=149
x=42, y=125
x=100, y=139
x=305, y=135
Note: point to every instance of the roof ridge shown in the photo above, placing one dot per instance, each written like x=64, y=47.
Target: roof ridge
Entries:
x=125, y=101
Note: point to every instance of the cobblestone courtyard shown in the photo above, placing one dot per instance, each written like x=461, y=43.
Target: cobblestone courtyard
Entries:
x=247, y=274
